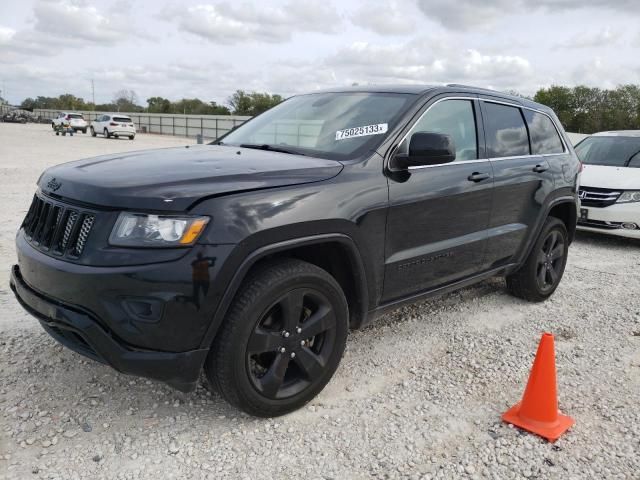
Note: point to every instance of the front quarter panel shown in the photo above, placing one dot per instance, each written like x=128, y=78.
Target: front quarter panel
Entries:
x=353, y=204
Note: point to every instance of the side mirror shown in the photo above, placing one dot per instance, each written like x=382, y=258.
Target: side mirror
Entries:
x=426, y=148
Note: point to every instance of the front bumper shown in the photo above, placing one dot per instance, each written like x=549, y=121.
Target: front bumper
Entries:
x=610, y=220
x=80, y=332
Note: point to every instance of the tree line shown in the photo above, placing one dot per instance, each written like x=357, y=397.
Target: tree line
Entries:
x=581, y=109
x=590, y=109
x=240, y=103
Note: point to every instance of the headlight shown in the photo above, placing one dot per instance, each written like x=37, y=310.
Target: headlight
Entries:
x=628, y=197
x=143, y=230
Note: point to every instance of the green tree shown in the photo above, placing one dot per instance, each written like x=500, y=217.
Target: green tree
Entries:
x=158, y=105
x=590, y=109
x=254, y=103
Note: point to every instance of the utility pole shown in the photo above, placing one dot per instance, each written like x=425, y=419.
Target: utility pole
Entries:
x=93, y=94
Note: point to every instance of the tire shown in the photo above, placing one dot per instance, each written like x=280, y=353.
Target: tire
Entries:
x=53, y=126
x=116, y=135
x=106, y=133
x=131, y=137
x=541, y=273
x=93, y=132
x=263, y=380
x=84, y=130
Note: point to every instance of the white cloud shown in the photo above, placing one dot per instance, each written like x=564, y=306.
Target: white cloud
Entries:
x=427, y=60
x=464, y=14
x=386, y=19
x=78, y=22
x=592, y=39
x=225, y=23
x=66, y=24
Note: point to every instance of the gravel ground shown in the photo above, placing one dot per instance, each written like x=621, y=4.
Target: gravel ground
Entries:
x=418, y=394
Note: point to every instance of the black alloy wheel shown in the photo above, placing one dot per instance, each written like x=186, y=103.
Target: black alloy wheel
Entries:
x=550, y=261
x=291, y=343
x=540, y=275
x=281, y=340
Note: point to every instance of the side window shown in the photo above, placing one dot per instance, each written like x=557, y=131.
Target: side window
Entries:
x=505, y=130
x=544, y=136
x=455, y=118
x=634, y=162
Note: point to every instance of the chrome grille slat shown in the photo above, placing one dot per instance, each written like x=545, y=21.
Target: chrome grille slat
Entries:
x=83, y=234
x=598, y=197
x=68, y=229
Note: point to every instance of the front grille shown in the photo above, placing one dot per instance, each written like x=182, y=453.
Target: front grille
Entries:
x=598, y=197
x=57, y=228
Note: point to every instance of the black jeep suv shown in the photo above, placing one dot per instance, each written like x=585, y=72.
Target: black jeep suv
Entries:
x=253, y=256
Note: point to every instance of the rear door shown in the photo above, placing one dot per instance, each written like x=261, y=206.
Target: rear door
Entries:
x=439, y=214
x=522, y=180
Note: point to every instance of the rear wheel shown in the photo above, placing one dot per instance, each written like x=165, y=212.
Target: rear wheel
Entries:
x=131, y=137
x=282, y=340
x=540, y=275
x=106, y=133
x=84, y=130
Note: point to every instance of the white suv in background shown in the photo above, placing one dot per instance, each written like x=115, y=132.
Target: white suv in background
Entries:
x=113, y=124
x=75, y=120
x=610, y=183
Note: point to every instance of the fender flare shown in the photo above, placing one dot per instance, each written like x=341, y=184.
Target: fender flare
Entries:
x=230, y=292
x=533, y=238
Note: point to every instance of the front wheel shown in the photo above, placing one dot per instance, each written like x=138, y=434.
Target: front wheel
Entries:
x=282, y=340
x=131, y=137
x=93, y=132
x=106, y=133
x=541, y=273
x=84, y=130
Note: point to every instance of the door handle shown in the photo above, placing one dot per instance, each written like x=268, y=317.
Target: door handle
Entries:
x=478, y=177
x=540, y=168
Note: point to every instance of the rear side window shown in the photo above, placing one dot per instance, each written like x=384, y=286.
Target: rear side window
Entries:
x=544, y=136
x=122, y=119
x=505, y=131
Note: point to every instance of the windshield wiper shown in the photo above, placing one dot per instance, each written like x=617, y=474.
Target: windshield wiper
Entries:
x=271, y=148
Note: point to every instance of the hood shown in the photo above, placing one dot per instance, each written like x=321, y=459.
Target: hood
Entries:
x=174, y=178
x=601, y=176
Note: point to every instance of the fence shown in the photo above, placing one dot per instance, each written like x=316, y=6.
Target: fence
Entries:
x=209, y=126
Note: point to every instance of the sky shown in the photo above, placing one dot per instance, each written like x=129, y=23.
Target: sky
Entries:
x=209, y=48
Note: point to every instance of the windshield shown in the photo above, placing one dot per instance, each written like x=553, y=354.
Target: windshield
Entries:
x=610, y=151
x=337, y=126
x=122, y=119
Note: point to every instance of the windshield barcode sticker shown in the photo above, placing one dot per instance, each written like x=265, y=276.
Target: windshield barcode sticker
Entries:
x=377, y=129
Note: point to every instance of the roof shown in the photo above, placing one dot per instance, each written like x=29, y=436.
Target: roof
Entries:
x=393, y=88
x=618, y=133
x=420, y=89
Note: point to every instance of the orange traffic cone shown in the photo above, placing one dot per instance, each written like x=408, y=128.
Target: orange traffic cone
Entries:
x=538, y=410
